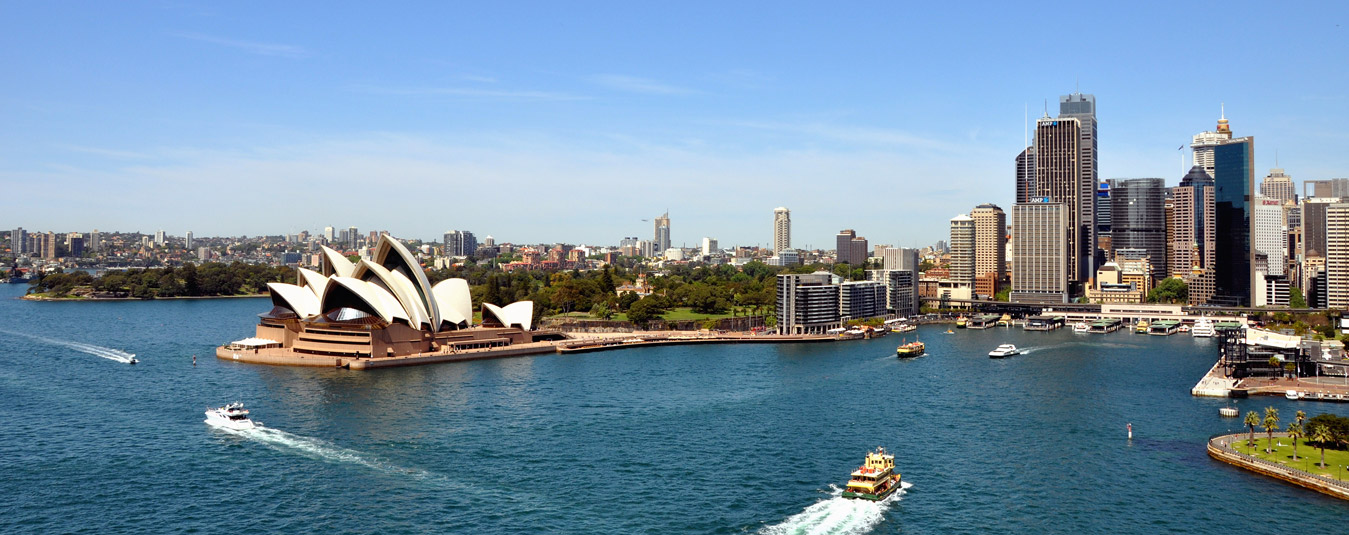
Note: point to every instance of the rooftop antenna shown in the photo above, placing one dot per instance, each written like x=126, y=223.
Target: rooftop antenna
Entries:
x=1025, y=126
x=1046, y=108
x=1222, y=107
x=1276, y=156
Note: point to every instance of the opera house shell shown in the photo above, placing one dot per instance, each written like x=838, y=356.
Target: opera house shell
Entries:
x=383, y=307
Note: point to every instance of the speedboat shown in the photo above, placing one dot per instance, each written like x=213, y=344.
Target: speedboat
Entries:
x=132, y=360
x=1005, y=350
x=876, y=479
x=1292, y=394
x=232, y=416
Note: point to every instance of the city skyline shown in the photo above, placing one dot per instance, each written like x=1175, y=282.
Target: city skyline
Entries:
x=159, y=112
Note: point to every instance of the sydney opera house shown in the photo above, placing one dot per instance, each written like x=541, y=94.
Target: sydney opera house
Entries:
x=378, y=308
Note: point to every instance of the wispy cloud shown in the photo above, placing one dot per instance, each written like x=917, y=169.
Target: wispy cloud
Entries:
x=861, y=135
x=635, y=84
x=262, y=49
x=109, y=153
x=468, y=93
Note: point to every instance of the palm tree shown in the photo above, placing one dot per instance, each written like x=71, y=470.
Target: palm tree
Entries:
x=1274, y=363
x=1271, y=423
x=1300, y=416
x=1295, y=432
x=1320, y=434
x=1252, y=420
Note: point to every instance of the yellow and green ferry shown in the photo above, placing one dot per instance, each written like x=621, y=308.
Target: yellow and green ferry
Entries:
x=876, y=479
x=911, y=349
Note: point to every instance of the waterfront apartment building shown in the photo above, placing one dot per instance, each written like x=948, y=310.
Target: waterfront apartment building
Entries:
x=990, y=245
x=1138, y=219
x=1040, y=252
x=962, y=249
x=1233, y=191
x=782, y=229
x=1336, y=289
x=661, y=241
x=901, y=287
x=862, y=299
x=807, y=303
x=1278, y=185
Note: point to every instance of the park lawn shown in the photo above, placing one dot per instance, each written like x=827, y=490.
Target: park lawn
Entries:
x=1308, y=456
x=680, y=314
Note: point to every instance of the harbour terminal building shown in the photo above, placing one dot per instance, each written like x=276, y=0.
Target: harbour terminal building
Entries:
x=380, y=308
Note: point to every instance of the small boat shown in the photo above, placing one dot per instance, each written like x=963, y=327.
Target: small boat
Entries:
x=911, y=349
x=949, y=331
x=1005, y=350
x=1183, y=328
x=1081, y=327
x=232, y=416
x=1142, y=327
x=876, y=479
x=1230, y=412
x=1292, y=394
x=132, y=360
x=1202, y=329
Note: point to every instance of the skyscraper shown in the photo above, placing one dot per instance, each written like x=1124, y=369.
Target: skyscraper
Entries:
x=661, y=240
x=18, y=241
x=1336, y=290
x=1059, y=179
x=1269, y=235
x=850, y=248
x=1083, y=108
x=1025, y=175
x=353, y=237
x=709, y=246
x=1191, y=228
x=328, y=234
x=460, y=243
x=1103, y=216
x=1040, y=253
x=1234, y=188
x=990, y=242
x=962, y=249
x=782, y=229
x=1278, y=185
x=1203, y=143
x=160, y=238
x=1138, y=219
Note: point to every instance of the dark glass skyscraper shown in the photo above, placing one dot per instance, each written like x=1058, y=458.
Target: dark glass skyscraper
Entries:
x=1138, y=219
x=1025, y=175
x=1233, y=194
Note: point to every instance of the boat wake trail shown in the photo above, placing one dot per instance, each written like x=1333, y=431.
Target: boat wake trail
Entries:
x=97, y=351
x=321, y=450
x=837, y=515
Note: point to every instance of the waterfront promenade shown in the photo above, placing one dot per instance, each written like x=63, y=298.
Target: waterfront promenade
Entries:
x=578, y=342
x=1216, y=384
x=1221, y=448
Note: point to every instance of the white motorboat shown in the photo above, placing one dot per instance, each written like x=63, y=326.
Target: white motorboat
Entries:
x=1203, y=328
x=232, y=416
x=1004, y=350
x=1292, y=394
x=1081, y=327
x=132, y=360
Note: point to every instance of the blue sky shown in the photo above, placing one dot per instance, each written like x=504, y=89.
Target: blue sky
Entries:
x=543, y=122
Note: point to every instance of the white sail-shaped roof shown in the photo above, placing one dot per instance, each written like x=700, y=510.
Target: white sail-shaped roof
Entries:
x=518, y=314
x=392, y=255
x=399, y=286
x=453, y=300
x=375, y=299
x=334, y=264
x=314, y=280
x=296, y=298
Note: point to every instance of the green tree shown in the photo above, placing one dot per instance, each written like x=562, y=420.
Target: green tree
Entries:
x=601, y=311
x=607, y=281
x=1295, y=432
x=627, y=299
x=493, y=292
x=645, y=309
x=1171, y=290
x=1320, y=434
x=1271, y=423
x=1295, y=299
x=1252, y=420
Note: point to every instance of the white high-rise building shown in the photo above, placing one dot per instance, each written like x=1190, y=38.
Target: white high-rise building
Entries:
x=1203, y=144
x=328, y=234
x=159, y=238
x=187, y=241
x=709, y=246
x=1271, y=235
x=782, y=229
x=1336, y=288
x=962, y=249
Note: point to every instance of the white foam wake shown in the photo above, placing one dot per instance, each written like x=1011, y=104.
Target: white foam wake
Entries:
x=319, y=449
x=837, y=515
x=98, y=351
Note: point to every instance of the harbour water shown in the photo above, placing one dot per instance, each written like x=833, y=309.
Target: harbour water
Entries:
x=688, y=439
